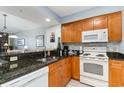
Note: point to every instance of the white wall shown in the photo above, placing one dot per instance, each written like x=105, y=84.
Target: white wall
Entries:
x=57, y=30
x=30, y=37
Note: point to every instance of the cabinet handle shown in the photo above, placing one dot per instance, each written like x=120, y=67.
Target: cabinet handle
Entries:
x=116, y=67
x=116, y=64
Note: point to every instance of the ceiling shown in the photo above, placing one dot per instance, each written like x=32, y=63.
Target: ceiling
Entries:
x=23, y=18
x=63, y=11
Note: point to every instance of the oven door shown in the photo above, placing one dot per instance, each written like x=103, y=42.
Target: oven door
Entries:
x=94, y=69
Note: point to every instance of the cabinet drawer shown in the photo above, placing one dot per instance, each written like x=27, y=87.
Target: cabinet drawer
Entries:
x=56, y=65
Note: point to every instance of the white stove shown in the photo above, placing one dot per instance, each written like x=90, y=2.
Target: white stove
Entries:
x=94, y=66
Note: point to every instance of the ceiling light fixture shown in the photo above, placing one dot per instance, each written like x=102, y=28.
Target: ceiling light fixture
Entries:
x=0, y=35
x=13, y=36
x=5, y=27
x=48, y=20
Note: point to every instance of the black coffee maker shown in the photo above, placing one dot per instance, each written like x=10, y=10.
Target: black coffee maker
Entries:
x=65, y=50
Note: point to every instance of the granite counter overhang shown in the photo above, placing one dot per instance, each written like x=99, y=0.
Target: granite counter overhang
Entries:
x=115, y=56
x=16, y=73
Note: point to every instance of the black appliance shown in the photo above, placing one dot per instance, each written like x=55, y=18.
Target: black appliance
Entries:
x=65, y=50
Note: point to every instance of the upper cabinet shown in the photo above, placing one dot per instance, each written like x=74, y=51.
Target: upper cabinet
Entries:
x=88, y=24
x=72, y=32
x=100, y=22
x=77, y=31
x=115, y=26
x=66, y=32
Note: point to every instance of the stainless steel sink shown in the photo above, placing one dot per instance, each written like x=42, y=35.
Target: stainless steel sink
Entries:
x=48, y=59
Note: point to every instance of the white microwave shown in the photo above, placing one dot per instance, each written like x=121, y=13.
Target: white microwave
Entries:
x=100, y=35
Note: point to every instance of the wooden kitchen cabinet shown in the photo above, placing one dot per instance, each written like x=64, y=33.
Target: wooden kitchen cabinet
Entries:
x=56, y=77
x=77, y=31
x=55, y=74
x=115, y=26
x=66, y=32
x=59, y=73
x=75, y=68
x=116, y=73
x=72, y=32
x=100, y=22
x=68, y=67
x=88, y=24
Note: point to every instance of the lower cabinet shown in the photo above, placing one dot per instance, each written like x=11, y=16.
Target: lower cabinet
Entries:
x=116, y=73
x=75, y=68
x=62, y=71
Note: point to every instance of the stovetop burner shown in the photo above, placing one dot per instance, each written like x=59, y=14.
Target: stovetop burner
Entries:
x=100, y=55
x=86, y=54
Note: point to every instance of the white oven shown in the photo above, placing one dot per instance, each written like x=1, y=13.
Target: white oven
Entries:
x=94, y=71
x=100, y=35
x=95, y=68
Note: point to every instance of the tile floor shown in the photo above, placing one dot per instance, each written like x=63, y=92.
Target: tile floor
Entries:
x=74, y=83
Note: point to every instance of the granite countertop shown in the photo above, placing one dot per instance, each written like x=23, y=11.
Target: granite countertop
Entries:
x=3, y=54
x=115, y=56
x=26, y=67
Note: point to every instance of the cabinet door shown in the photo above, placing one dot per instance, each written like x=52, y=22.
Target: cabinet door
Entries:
x=59, y=77
x=77, y=31
x=122, y=76
x=88, y=24
x=68, y=68
x=41, y=81
x=52, y=79
x=66, y=32
x=115, y=26
x=100, y=22
x=115, y=74
x=75, y=68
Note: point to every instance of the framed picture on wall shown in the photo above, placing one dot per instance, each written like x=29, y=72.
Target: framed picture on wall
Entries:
x=52, y=37
x=21, y=42
x=40, y=41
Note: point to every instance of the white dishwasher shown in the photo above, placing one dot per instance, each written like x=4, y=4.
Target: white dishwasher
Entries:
x=37, y=78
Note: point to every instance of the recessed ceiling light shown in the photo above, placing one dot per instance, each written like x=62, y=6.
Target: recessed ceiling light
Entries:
x=0, y=35
x=48, y=20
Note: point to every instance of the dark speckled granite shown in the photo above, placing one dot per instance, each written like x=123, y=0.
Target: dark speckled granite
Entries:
x=27, y=65
x=115, y=55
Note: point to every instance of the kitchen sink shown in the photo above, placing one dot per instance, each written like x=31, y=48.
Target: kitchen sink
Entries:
x=48, y=59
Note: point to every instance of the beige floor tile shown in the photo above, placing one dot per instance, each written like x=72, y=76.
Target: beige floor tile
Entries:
x=74, y=83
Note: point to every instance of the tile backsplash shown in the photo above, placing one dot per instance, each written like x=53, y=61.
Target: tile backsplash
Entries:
x=111, y=47
x=73, y=46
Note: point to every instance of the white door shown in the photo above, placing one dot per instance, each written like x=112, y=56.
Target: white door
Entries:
x=40, y=81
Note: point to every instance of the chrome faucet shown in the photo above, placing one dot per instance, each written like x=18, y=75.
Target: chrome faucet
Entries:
x=44, y=51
